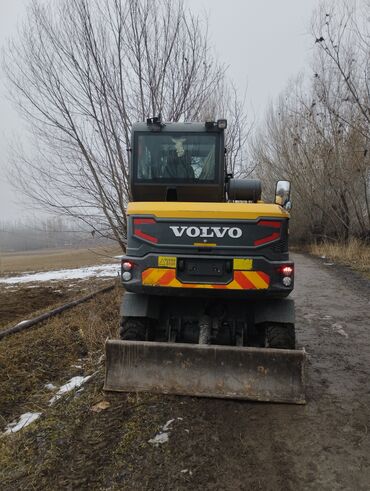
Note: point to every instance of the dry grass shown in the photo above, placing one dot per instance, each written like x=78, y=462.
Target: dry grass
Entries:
x=71, y=447
x=49, y=259
x=355, y=254
x=47, y=353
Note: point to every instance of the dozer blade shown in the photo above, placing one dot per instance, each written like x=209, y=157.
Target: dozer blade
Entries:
x=257, y=374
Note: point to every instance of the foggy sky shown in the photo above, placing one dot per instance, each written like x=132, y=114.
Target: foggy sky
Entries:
x=264, y=43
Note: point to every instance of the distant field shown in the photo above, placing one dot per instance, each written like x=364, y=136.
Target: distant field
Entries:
x=48, y=259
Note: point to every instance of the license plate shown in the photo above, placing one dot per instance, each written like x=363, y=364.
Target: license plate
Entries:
x=167, y=261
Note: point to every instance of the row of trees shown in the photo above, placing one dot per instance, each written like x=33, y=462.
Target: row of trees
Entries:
x=317, y=134
x=82, y=71
x=55, y=232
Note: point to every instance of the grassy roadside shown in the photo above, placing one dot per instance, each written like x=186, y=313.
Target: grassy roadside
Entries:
x=58, y=349
x=21, y=302
x=355, y=254
x=52, y=352
x=71, y=446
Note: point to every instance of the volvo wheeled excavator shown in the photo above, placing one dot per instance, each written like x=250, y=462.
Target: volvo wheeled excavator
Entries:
x=206, y=275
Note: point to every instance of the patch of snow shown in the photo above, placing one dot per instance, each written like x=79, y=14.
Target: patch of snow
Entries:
x=159, y=439
x=99, y=271
x=163, y=435
x=339, y=329
x=185, y=471
x=167, y=425
x=76, y=366
x=24, y=420
x=323, y=257
x=50, y=386
x=74, y=383
x=328, y=264
x=342, y=332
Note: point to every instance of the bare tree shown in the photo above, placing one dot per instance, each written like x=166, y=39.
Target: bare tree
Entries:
x=317, y=133
x=227, y=102
x=342, y=36
x=81, y=72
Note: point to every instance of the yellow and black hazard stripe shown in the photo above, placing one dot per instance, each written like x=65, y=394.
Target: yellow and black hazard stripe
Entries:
x=242, y=280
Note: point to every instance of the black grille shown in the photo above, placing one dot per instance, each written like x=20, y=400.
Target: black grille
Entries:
x=281, y=246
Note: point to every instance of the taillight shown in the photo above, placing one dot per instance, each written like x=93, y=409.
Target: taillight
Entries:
x=286, y=270
x=287, y=273
x=127, y=266
x=126, y=270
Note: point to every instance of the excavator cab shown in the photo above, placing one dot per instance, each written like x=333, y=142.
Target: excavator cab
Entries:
x=177, y=162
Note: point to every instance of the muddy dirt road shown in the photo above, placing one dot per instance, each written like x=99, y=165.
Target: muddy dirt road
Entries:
x=324, y=445
x=227, y=445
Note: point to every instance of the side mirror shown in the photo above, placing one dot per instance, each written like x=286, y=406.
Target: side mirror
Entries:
x=282, y=194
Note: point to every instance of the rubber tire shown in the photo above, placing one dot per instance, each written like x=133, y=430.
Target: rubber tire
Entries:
x=280, y=336
x=133, y=329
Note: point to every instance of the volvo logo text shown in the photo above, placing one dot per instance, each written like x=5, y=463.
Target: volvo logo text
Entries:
x=206, y=232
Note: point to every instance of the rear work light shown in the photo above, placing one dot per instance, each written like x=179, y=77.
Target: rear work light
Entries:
x=287, y=281
x=126, y=276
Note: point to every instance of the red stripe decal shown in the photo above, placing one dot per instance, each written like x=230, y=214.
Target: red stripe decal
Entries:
x=268, y=223
x=141, y=221
x=145, y=236
x=145, y=273
x=269, y=238
x=167, y=277
x=243, y=281
x=264, y=276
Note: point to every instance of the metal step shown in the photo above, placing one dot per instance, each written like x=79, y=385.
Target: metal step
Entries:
x=233, y=372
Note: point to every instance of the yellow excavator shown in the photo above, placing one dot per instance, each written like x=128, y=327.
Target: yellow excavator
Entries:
x=206, y=275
